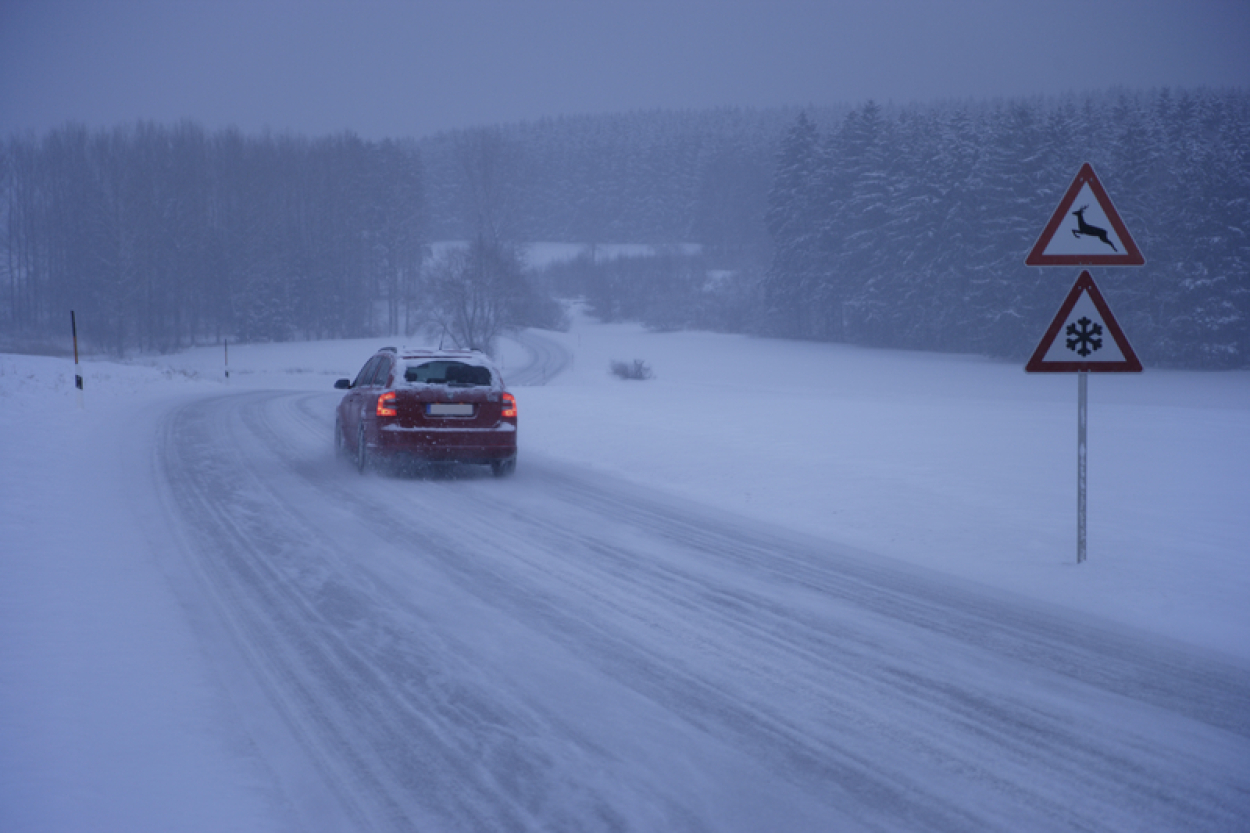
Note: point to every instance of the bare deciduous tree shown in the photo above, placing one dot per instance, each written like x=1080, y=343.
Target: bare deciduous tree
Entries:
x=475, y=292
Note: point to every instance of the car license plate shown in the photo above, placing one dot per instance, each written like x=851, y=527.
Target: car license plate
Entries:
x=459, y=409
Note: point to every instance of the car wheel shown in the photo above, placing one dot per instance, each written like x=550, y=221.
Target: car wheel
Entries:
x=503, y=468
x=362, y=451
x=340, y=448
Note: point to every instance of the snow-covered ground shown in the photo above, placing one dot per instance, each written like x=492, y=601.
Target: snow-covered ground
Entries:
x=206, y=623
x=540, y=254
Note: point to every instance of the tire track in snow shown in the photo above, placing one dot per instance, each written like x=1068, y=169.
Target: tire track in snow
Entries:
x=1012, y=755
x=389, y=711
x=547, y=359
x=884, y=696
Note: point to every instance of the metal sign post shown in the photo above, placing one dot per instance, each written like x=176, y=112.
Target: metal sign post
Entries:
x=1082, y=421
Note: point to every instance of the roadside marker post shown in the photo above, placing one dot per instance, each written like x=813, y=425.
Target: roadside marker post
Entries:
x=73, y=324
x=1084, y=336
x=226, y=343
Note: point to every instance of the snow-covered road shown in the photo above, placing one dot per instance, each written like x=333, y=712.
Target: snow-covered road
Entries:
x=661, y=622
x=560, y=652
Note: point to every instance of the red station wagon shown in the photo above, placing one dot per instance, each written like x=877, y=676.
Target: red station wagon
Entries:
x=427, y=406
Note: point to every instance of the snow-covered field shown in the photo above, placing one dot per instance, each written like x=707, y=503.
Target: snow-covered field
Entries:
x=762, y=590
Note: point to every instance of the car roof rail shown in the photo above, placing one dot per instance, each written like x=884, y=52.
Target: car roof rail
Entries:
x=438, y=351
x=388, y=350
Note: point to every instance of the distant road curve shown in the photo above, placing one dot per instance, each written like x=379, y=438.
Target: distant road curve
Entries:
x=548, y=359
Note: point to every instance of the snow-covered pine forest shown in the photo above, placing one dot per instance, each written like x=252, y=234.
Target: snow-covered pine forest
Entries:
x=878, y=225
x=909, y=229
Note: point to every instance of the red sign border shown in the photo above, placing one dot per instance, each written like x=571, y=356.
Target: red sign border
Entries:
x=1131, y=256
x=1038, y=363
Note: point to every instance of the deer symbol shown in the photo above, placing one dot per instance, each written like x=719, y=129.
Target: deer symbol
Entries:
x=1085, y=228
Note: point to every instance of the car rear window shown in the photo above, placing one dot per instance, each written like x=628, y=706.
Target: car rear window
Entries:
x=452, y=373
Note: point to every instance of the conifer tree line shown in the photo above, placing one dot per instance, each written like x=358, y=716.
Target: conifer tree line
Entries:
x=909, y=228
x=877, y=225
x=655, y=177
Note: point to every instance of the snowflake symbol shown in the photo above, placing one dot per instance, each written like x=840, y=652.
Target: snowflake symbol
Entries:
x=1084, y=339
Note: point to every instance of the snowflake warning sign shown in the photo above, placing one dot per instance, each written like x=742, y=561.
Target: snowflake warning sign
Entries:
x=1084, y=337
x=1085, y=230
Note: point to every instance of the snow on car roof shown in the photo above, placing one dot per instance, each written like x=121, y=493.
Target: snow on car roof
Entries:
x=467, y=356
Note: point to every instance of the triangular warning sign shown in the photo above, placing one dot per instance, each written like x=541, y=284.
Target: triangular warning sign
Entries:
x=1085, y=230
x=1084, y=337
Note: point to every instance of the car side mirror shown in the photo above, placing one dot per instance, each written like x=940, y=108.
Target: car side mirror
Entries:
x=343, y=384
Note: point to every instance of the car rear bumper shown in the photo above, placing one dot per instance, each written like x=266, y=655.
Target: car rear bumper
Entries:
x=460, y=445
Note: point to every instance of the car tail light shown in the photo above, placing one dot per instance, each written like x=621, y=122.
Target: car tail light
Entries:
x=385, y=404
x=509, y=406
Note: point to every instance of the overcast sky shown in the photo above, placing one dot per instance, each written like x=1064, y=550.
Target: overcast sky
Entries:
x=413, y=67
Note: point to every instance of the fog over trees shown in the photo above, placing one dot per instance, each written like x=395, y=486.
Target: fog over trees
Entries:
x=909, y=229
x=877, y=225
x=163, y=236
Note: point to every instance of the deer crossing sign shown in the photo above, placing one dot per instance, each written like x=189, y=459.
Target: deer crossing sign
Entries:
x=1085, y=230
x=1084, y=336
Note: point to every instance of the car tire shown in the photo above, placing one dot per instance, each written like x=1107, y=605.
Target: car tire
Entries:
x=362, y=451
x=503, y=468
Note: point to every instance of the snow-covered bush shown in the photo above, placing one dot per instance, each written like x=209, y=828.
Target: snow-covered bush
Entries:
x=637, y=370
